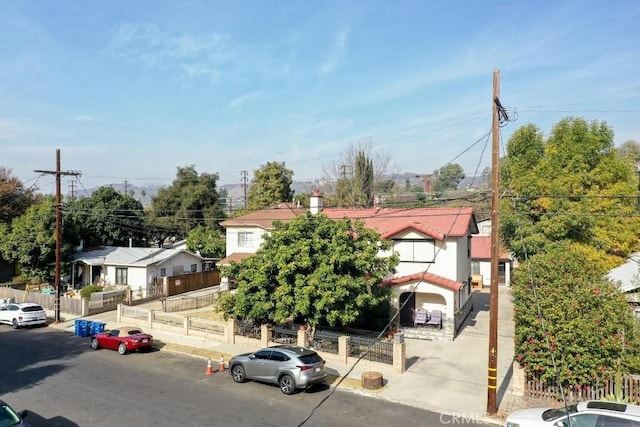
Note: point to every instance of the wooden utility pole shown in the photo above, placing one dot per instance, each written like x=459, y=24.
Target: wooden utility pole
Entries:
x=58, y=174
x=492, y=383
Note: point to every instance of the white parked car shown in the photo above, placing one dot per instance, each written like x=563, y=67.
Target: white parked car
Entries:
x=591, y=413
x=23, y=314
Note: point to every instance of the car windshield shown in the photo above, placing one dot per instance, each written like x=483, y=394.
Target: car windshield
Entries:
x=32, y=308
x=310, y=359
x=8, y=417
x=553, y=414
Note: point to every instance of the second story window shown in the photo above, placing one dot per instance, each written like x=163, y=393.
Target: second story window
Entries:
x=245, y=239
x=415, y=250
x=163, y=272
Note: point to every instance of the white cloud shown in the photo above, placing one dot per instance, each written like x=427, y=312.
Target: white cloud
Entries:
x=149, y=45
x=244, y=99
x=337, y=53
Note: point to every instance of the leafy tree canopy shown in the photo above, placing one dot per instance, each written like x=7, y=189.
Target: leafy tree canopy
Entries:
x=448, y=177
x=313, y=270
x=14, y=197
x=110, y=218
x=209, y=242
x=191, y=200
x=571, y=186
x=31, y=241
x=564, y=307
x=271, y=184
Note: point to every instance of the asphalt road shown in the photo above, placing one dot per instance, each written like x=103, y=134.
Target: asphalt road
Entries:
x=63, y=383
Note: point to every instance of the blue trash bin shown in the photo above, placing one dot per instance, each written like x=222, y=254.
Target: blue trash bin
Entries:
x=98, y=327
x=85, y=328
x=77, y=327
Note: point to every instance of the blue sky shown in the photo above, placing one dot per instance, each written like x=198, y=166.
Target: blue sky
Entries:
x=131, y=90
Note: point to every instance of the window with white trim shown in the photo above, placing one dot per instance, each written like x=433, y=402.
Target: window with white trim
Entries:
x=415, y=250
x=121, y=276
x=194, y=268
x=475, y=267
x=163, y=272
x=245, y=239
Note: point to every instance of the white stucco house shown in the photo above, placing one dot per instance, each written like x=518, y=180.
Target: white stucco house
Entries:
x=135, y=268
x=434, y=245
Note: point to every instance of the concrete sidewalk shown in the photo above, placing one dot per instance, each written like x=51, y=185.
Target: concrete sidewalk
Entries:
x=446, y=377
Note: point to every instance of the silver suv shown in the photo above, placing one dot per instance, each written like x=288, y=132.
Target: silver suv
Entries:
x=592, y=413
x=291, y=367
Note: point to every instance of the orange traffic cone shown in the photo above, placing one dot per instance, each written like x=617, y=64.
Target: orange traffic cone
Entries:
x=209, y=370
x=221, y=367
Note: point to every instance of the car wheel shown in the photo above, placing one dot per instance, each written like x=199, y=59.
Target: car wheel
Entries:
x=237, y=372
x=122, y=348
x=95, y=344
x=14, y=324
x=287, y=385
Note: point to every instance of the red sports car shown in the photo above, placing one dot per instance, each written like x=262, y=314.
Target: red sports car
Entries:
x=123, y=339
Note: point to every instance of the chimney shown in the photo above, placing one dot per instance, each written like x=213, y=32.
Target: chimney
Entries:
x=315, y=202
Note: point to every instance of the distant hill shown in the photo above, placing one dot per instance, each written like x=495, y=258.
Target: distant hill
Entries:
x=235, y=192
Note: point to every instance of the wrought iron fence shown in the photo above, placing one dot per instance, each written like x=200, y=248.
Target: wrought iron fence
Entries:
x=248, y=329
x=284, y=335
x=136, y=313
x=209, y=326
x=168, y=319
x=189, y=303
x=326, y=341
x=373, y=349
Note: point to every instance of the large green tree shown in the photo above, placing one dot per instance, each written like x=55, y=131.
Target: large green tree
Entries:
x=30, y=241
x=271, y=184
x=571, y=186
x=208, y=242
x=564, y=309
x=109, y=218
x=15, y=198
x=312, y=270
x=192, y=199
x=447, y=177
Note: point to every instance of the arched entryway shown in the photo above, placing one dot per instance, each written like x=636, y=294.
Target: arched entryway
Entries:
x=407, y=303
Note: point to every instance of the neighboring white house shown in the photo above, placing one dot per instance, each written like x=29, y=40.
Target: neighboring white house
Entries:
x=135, y=268
x=434, y=245
x=481, y=257
x=627, y=275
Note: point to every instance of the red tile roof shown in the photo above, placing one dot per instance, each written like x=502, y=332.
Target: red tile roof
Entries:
x=236, y=256
x=264, y=218
x=481, y=248
x=425, y=277
x=434, y=222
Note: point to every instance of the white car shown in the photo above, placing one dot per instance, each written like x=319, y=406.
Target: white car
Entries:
x=23, y=314
x=592, y=413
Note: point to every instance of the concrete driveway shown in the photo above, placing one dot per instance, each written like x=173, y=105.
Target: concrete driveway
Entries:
x=452, y=376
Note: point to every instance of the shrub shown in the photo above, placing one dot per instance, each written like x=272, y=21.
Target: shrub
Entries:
x=88, y=290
